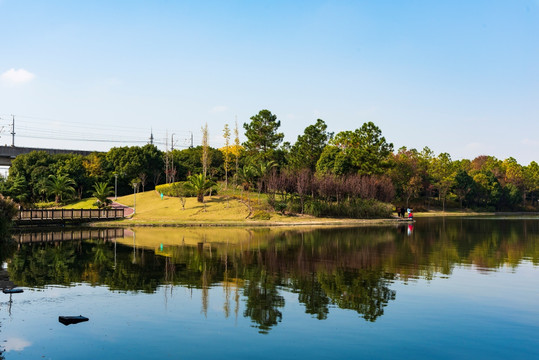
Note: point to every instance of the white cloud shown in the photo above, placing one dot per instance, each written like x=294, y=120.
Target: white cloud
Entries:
x=19, y=76
x=218, y=109
x=16, y=344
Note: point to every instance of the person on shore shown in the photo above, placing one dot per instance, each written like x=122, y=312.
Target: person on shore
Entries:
x=402, y=212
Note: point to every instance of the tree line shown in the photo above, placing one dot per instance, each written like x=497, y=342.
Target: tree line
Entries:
x=322, y=173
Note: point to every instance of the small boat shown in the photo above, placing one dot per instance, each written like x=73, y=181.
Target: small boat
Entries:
x=68, y=320
x=12, y=291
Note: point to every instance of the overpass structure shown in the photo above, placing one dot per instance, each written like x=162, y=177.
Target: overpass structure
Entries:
x=8, y=153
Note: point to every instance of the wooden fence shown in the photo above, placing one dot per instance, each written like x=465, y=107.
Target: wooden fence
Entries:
x=43, y=216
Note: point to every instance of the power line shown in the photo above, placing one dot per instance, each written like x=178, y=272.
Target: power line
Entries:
x=33, y=127
x=84, y=125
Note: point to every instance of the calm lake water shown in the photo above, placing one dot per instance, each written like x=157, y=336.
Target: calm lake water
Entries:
x=442, y=288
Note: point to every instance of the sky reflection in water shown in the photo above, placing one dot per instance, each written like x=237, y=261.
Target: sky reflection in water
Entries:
x=448, y=288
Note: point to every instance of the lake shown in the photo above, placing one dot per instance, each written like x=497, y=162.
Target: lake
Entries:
x=440, y=288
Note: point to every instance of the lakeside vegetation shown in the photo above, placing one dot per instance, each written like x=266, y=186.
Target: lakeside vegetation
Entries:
x=351, y=174
x=8, y=209
x=223, y=209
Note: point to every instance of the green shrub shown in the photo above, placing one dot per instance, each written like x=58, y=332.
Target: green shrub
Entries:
x=44, y=205
x=280, y=207
x=178, y=189
x=314, y=208
x=261, y=215
x=354, y=208
x=293, y=207
x=8, y=210
x=172, y=189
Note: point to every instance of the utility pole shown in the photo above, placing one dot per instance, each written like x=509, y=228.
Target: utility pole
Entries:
x=191, y=139
x=13, y=131
x=166, y=158
x=172, y=175
x=151, y=136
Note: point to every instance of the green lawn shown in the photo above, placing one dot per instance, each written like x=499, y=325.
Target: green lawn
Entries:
x=82, y=204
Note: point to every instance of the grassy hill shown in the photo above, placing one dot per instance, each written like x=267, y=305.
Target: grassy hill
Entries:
x=224, y=209
x=151, y=208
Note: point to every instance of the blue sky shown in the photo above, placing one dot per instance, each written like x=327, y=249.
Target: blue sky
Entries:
x=458, y=76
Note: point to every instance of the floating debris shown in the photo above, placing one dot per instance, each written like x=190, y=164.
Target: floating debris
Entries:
x=12, y=291
x=68, y=320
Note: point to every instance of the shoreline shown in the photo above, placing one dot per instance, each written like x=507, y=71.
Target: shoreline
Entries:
x=304, y=222
x=193, y=224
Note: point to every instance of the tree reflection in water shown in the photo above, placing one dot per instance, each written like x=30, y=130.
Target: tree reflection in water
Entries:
x=263, y=301
x=7, y=248
x=350, y=268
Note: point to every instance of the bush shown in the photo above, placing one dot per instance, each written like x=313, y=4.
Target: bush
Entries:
x=293, y=207
x=355, y=208
x=261, y=215
x=172, y=189
x=314, y=208
x=280, y=207
x=44, y=205
x=178, y=189
x=8, y=210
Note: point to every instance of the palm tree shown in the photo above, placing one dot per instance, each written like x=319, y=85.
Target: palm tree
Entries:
x=246, y=175
x=199, y=184
x=102, y=191
x=60, y=186
x=261, y=171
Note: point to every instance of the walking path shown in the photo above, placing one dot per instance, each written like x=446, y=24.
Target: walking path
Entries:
x=128, y=211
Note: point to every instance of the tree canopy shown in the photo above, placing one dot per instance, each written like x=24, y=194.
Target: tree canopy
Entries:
x=262, y=136
x=309, y=146
x=364, y=151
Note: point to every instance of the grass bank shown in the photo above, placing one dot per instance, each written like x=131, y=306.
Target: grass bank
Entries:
x=245, y=209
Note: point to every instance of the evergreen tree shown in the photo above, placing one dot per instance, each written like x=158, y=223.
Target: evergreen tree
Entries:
x=309, y=146
x=262, y=136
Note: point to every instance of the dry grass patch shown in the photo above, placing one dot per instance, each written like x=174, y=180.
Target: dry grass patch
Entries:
x=151, y=208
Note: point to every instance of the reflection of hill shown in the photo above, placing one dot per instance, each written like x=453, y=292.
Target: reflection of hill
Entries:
x=351, y=268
